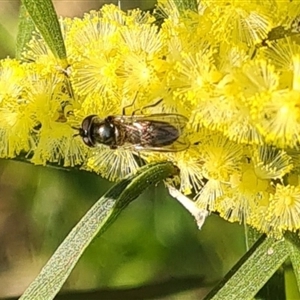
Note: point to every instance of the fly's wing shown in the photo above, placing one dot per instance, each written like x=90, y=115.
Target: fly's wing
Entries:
x=167, y=132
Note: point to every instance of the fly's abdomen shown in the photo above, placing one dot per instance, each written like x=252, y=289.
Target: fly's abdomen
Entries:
x=163, y=134
x=152, y=134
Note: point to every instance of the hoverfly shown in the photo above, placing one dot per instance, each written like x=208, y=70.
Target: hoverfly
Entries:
x=155, y=132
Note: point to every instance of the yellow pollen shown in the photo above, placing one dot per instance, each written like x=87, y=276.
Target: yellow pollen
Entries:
x=199, y=81
x=145, y=73
x=284, y=110
x=249, y=179
x=288, y=200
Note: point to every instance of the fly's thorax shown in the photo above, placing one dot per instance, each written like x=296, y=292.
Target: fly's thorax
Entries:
x=104, y=131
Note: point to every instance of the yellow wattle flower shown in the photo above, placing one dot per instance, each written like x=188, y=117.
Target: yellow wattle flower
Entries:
x=218, y=66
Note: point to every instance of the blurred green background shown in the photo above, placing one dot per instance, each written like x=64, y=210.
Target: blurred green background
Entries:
x=153, y=250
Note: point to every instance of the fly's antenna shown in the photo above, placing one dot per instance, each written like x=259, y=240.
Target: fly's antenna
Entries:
x=78, y=129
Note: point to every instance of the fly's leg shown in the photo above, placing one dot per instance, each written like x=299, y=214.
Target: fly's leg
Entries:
x=139, y=159
x=145, y=107
x=139, y=109
x=127, y=106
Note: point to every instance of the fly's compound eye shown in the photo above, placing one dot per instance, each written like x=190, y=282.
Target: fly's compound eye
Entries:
x=85, y=131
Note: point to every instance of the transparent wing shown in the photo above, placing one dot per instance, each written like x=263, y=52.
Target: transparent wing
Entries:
x=177, y=120
x=156, y=132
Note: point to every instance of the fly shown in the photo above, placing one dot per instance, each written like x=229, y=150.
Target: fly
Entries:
x=155, y=132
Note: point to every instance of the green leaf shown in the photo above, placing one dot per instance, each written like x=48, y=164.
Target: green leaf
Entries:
x=25, y=29
x=94, y=222
x=252, y=235
x=293, y=245
x=45, y=19
x=274, y=288
x=249, y=275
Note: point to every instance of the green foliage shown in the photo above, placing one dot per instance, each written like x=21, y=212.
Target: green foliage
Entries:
x=45, y=19
x=248, y=276
x=96, y=221
x=26, y=28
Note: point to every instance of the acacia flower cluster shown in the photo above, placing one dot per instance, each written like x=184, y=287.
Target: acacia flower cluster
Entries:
x=216, y=65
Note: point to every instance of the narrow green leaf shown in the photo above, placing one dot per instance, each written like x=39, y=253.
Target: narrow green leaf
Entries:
x=293, y=244
x=45, y=19
x=249, y=275
x=274, y=288
x=183, y=5
x=291, y=287
x=95, y=221
x=25, y=29
x=252, y=235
